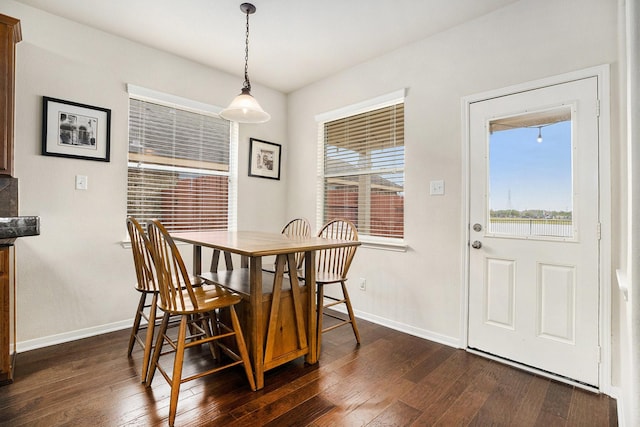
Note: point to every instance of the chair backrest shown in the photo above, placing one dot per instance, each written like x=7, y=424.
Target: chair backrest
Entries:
x=337, y=260
x=298, y=227
x=172, y=274
x=142, y=259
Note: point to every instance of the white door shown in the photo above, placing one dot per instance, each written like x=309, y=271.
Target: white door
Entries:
x=534, y=238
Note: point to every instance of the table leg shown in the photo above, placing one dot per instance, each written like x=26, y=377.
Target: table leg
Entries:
x=197, y=263
x=310, y=279
x=256, y=334
x=215, y=260
x=272, y=323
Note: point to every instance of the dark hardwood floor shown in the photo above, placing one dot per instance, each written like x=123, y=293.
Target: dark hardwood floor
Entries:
x=392, y=379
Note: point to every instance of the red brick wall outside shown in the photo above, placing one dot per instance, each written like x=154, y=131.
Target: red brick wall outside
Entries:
x=387, y=211
x=197, y=204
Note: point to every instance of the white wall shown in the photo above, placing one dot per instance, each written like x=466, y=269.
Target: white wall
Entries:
x=421, y=290
x=75, y=277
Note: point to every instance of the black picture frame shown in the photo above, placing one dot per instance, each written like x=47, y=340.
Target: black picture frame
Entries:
x=74, y=130
x=264, y=159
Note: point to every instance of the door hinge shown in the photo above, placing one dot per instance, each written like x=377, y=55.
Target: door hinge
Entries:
x=599, y=354
x=599, y=231
x=597, y=108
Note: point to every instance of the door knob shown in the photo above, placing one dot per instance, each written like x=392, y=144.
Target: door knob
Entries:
x=476, y=244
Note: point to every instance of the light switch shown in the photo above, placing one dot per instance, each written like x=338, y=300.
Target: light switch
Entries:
x=436, y=188
x=82, y=182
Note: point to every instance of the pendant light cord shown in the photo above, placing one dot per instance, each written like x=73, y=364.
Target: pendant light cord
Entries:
x=247, y=83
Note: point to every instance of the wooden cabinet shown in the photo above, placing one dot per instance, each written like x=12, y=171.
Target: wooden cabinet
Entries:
x=279, y=327
x=10, y=34
x=8, y=317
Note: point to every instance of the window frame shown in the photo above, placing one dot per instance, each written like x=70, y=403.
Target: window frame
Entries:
x=389, y=99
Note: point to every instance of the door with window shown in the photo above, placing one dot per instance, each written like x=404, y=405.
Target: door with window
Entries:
x=534, y=238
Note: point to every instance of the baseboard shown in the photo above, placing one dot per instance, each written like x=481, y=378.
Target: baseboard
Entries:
x=408, y=329
x=23, y=346
x=124, y=324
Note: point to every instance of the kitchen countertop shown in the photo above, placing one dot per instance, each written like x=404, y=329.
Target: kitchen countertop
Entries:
x=18, y=226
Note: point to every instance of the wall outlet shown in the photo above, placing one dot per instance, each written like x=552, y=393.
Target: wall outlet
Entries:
x=436, y=188
x=363, y=284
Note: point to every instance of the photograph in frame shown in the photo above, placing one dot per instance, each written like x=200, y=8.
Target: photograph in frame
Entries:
x=264, y=159
x=74, y=130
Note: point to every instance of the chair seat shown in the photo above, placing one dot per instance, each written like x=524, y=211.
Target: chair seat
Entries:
x=148, y=289
x=323, y=277
x=208, y=298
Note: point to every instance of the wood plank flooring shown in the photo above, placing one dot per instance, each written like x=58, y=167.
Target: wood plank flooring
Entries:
x=392, y=379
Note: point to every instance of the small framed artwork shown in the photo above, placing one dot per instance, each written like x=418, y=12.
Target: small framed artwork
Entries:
x=264, y=159
x=75, y=130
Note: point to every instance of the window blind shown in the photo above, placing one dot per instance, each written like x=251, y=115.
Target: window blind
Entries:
x=362, y=170
x=179, y=167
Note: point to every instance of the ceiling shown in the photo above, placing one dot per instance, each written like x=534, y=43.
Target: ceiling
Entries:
x=292, y=43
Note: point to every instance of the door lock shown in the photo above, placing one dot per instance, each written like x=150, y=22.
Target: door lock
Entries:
x=476, y=244
x=477, y=227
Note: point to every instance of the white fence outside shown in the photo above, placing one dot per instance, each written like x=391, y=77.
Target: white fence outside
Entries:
x=532, y=227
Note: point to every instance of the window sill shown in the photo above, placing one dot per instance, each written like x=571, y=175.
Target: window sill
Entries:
x=395, y=245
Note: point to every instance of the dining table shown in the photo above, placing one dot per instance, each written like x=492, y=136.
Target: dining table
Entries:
x=278, y=314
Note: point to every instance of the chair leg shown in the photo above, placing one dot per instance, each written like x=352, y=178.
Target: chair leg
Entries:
x=158, y=349
x=148, y=342
x=352, y=317
x=136, y=322
x=176, y=375
x=210, y=325
x=320, y=315
x=242, y=348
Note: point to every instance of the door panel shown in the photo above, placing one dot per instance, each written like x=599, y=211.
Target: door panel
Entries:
x=500, y=298
x=534, y=276
x=556, y=302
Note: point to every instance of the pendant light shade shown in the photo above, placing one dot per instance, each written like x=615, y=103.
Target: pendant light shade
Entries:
x=245, y=108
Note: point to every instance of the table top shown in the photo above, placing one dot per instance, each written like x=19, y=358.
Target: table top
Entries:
x=259, y=243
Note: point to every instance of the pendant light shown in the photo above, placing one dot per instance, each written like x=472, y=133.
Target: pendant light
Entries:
x=245, y=108
x=539, y=139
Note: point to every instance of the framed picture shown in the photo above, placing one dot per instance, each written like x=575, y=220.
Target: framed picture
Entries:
x=264, y=159
x=75, y=130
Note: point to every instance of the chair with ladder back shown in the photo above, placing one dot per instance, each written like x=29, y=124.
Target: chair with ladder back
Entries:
x=147, y=287
x=332, y=266
x=198, y=309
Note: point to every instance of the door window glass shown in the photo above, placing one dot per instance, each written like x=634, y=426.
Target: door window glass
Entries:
x=530, y=175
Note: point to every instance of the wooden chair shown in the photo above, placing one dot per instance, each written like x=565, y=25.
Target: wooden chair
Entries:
x=332, y=268
x=295, y=227
x=146, y=285
x=197, y=309
x=298, y=227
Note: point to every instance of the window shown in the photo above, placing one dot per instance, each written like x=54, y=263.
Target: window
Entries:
x=361, y=166
x=182, y=167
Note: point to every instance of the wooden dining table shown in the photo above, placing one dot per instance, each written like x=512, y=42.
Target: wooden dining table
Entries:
x=279, y=321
